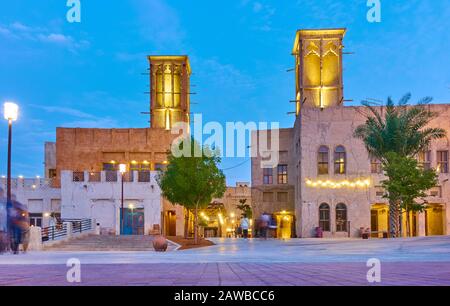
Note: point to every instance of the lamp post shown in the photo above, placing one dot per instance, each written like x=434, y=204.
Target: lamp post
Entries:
x=122, y=169
x=10, y=112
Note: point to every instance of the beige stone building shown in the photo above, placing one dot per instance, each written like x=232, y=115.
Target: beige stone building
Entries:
x=336, y=186
x=97, y=151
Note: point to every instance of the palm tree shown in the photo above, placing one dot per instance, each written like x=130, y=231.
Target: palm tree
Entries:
x=401, y=129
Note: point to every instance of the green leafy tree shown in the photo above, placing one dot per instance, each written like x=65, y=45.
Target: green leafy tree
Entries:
x=245, y=208
x=192, y=178
x=408, y=183
x=401, y=129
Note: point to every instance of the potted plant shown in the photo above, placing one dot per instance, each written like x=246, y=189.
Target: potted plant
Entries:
x=365, y=233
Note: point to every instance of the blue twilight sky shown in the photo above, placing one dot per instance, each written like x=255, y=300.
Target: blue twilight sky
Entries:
x=88, y=74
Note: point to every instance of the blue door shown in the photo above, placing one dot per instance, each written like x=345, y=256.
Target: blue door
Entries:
x=133, y=223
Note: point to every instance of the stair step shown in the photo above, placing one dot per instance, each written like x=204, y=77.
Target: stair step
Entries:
x=105, y=243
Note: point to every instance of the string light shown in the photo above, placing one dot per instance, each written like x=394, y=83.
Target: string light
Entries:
x=360, y=183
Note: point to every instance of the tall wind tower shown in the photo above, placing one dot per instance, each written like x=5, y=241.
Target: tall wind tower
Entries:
x=169, y=91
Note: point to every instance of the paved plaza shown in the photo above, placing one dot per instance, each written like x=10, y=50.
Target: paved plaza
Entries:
x=417, y=261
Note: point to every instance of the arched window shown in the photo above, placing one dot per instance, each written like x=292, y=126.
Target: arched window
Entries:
x=324, y=217
x=340, y=160
x=341, y=217
x=322, y=160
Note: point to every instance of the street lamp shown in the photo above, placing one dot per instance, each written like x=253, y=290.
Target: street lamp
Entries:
x=122, y=170
x=10, y=112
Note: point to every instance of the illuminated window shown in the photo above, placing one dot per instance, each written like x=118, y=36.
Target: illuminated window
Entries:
x=322, y=160
x=442, y=161
x=375, y=166
x=340, y=160
x=110, y=167
x=36, y=219
x=282, y=174
x=267, y=176
x=341, y=218
x=424, y=159
x=324, y=217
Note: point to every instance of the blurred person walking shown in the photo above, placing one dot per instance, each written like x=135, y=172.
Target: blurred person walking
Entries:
x=3, y=223
x=18, y=223
x=264, y=225
x=245, y=223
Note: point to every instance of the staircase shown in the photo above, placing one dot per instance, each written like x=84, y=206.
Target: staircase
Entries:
x=97, y=243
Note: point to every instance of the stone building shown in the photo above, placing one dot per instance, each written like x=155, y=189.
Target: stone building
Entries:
x=273, y=189
x=336, y=184
x=84, y=195
x=99, y=152
x=39, y=195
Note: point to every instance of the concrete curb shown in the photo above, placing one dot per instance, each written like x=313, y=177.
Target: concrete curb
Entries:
x=177, y=246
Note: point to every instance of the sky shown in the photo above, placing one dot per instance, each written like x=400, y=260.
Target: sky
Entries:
x=89, y=74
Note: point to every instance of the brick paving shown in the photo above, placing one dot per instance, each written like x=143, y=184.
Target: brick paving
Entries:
x=230, y=274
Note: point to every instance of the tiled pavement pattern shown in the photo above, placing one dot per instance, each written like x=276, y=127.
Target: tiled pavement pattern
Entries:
x=230, y=274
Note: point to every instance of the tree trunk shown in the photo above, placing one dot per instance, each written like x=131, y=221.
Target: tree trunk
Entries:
x=400, y=222
x=196, y=225
x=408, y=226
x=394, y=218
x=186, y=224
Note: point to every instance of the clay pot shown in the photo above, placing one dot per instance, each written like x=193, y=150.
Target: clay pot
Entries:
x=160, y=244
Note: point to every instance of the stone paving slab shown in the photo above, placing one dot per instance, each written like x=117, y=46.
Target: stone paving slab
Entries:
x=424, y=249
x=230, y=274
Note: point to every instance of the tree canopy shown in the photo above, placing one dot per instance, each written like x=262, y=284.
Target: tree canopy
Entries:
x=402, y=130
x=192, y=180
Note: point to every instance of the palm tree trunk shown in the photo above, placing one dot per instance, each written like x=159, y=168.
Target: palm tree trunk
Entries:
x=186, y=223
x=393, y=218
x=408, y=225
x=196, y=225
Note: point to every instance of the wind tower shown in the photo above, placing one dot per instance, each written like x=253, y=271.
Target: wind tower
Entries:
x=318, y=62
x=169, y=91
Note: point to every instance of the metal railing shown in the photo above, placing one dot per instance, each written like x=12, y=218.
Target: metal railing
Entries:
x=28, y=184
x=78, y=176
x=60, y=232
x=52, y=233
x=144, y=177
x=95, y=177
x=80, y=225
x=111, y=176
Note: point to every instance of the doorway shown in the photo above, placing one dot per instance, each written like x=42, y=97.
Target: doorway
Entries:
x=434, y=220
x=284, y=226
x=379, y=220
x=133, y=222
x=171, y=223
